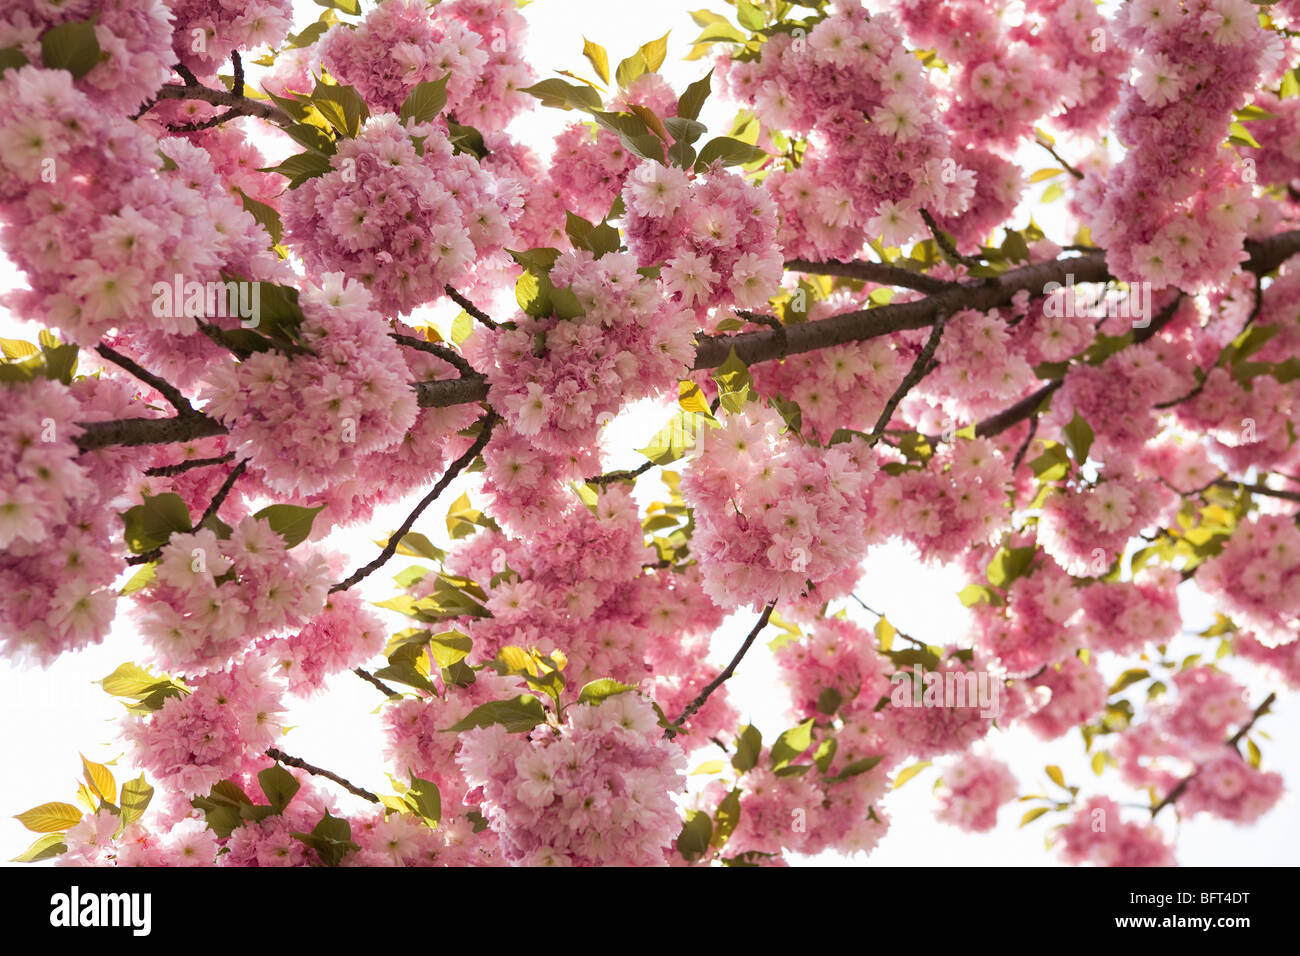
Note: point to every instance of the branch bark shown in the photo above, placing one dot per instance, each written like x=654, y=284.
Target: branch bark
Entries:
x=291, y=761
x=718, y=681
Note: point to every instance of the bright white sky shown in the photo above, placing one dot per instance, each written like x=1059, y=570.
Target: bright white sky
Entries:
x=50, y=716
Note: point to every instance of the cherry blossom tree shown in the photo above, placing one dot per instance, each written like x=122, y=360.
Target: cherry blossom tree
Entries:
x=239, y=236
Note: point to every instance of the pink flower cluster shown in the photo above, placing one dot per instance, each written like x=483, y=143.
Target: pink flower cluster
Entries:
x=1125, y=616
x=400, y=43
x=344, y=634
x=60, y=537
x=212, y=598
x=715, y=235
x=303, y=419
x=598, y=792
x=206, y=31
x=958, y=499
x=1096, y=834
x=198, y=739
x=1035, y=626
x=1087, y=528
x=856, y=180
x=94, y=220
x=588, y=169
x=632, y=341
x=134, y=38
x=1176, y=208
x=408, y=223
x=1257, y=577
x=771, y=514
x=1078, y=694
x=974, y=787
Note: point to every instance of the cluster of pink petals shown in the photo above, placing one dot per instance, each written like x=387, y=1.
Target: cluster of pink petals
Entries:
x=596, y=792
x=772, y=514
x=1257, y=577
x=400, y=43
x=877, y=153
x=1176, y=208
x=206, y=31
x=1097, y=834
x=715, y=235
x=211, y=598
x=631, y=342
x=974, y=787
x=406, y=222
x=134, y=38
x=303, y=419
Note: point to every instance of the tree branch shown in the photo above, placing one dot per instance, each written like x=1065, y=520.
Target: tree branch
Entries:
x=718, y=681
x=167, y=471
x=486, y=423
x=1232, y=742
x=164, y=388
x=920, y=368
x=880, y=273
x=471, y=308
x=281, y=757
x=245, y=106
x=372, y=679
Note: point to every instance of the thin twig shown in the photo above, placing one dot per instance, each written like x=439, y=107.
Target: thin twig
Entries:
x=450, y=356
x=717, y=682
x=1232, y=742
x=291, y=761
x=164, y=388
x=906, y=637
x=1057, y=156
x=371, y=678
x=921, y=367
x=486, y=424
x=238, y=88
x=168, y=471
x=471, y=308
x=611, y=476
x=217, y=500
x=946, y=245
x=1259, y=490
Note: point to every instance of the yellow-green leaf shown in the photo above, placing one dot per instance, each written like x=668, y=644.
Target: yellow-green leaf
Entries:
x=50, y=817
x=100, y=779
x=1054, y=772
x=1032, y=815
x=599, y=59
x=907, y=773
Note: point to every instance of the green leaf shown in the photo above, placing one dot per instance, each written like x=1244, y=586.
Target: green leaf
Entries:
x=1009, y=564
x=973, y=594
x=141, y=579
x=728, y=152
x=425, y=799
x=50, y=845
x=425, y=102
x=151, y=524
x=291, y=522
x=1053, y=464
x=136, y=795
x=598, y=691
x=829, y=701
x=331, y=838
x=267, y=217
x=347, y=6
x=696, y=833
x=655, y=52
x=566, y=96
x=279, y=786
x=100, y=779
x=907, y=773
x=1131, y=676
x=692, y=101
x=726, y=818
x=449, y=647
x=1054, y=772
x=50, y=817
x=517, y=715
x=792, y=744
x=342, y=106
x=678, y=437
x=631, y=68
x=300, y=167
x=749, y=744
x=1078, y=437
x=13, y=57
x=1032, y=815
x=750, y=16
x=599, y=59
x=1238, y=135
x=858, y=767
x=70, y=46
x=735, y=384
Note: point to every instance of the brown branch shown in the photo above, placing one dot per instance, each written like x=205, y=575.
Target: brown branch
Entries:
x=717, y=682
x=167, y=471
x=471, y=308
x=371, y=678
x=245, y=106
x=1232, y=742
x=1024, y=446
x=160, y=385
x=880, y=273
x=946, y=245
x=450, y=356
x=1057, y=156
x=921, y=367
x=751, y=347
x=486, y=424
x=281, y=757
x=611, y=476
x=1258, y=489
